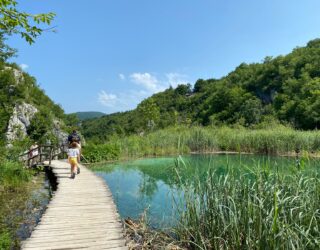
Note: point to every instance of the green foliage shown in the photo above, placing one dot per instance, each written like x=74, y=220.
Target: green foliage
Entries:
x=13, y=21
x=12, y=171
x=88, y=115
x=150, y=113
x=13, y=174
x=283, y=89
x=5, y=240
x=39, y=126
x=271, y=139
x=101, y=152
x=258, y=209
x=25, y=90
x=6, y=52
x=183, y=89
x=71, y=122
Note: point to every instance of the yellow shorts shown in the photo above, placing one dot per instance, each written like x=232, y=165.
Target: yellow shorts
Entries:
x=73, y=160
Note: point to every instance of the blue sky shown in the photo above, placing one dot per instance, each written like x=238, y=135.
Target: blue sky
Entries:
x=108, y=55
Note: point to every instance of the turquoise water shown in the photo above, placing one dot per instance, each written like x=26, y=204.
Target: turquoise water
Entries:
x=153, y=185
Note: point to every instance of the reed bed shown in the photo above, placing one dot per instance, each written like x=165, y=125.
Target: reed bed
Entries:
x=255, y=209
x=13, y=181
x=182, y=140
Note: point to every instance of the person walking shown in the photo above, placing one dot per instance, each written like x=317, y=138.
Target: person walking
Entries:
x=73, y=158
x=74, y=137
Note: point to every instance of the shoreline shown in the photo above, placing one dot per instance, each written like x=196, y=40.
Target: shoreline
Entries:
x=219, y=152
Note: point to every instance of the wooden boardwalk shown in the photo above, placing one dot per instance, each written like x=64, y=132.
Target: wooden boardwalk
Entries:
x=81, y=215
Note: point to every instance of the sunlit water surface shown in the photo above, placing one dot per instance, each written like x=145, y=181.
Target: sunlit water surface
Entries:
x=153, y=185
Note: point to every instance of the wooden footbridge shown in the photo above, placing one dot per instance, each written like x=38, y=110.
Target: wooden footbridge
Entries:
x=80, y=215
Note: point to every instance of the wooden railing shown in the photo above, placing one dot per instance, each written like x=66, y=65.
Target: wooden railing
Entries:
x=43, y=153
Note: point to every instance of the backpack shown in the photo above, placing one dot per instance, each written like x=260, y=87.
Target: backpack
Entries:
x=74, y=138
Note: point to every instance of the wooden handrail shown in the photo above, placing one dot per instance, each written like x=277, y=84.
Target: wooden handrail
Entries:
x=42, y=155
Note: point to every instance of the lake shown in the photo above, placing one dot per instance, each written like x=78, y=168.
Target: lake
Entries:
x=153, y=185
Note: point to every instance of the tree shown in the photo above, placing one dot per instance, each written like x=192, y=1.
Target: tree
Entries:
x=39, y=126
x=149, y=112
x=13, y=21
x=183, y=89
x=6, y=51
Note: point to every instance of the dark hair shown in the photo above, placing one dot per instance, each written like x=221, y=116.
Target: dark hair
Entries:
x=74, y=144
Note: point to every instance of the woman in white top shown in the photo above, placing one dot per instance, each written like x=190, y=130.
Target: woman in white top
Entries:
x=73, y=158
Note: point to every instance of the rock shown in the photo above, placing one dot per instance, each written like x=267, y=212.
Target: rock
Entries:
x=19, y=122
x=61, y=135
x=18, y=74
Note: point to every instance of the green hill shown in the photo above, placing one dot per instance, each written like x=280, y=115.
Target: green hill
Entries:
x=25, y=110
x=284, y=88
x=88, y=115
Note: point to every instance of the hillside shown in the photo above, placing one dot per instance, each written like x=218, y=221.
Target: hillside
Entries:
x=88, y=115
x=284, y=88
x=25, y=110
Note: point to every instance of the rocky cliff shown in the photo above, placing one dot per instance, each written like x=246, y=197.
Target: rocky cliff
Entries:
x=26, y=110
x=19, y=121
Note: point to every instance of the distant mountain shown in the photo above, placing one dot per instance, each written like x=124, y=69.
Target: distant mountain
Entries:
x=89, y=115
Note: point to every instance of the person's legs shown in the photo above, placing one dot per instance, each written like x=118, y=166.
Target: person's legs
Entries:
x=73, y=167
x=79, y=147
x=69, y=160
x=71, y=170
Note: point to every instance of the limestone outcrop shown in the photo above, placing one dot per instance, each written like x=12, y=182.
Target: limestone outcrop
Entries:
x=61, y=136
x=19, y=121
x=18, y=74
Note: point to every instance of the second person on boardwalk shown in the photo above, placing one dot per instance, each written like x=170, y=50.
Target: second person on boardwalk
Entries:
x=74, y=137
x=73, y=158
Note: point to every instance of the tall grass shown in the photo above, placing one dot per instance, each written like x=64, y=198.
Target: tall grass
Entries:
x=257, y=209
x=13, y=174
x=181, y=140
x=14, y=179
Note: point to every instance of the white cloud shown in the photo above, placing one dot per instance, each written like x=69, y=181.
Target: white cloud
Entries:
x=122, y=101
x=174, y=79
x=108, y=100
x=24, y=66
x=148, y=81
x=130, y=98
x=153, y=84
x=122, y=77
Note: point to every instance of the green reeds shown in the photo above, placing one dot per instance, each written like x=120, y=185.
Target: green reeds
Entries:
x=181, y=140
x=255, y=209
x=13, y=174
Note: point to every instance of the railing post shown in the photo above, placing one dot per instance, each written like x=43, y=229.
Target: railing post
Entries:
x=50, y=154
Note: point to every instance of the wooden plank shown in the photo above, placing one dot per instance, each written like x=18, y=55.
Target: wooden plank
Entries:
x=81, y=214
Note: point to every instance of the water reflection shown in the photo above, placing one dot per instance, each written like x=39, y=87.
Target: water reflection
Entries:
x=155, y=183
x=148, y=186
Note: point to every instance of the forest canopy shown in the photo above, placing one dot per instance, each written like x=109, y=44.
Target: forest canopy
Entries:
x=284, y=89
